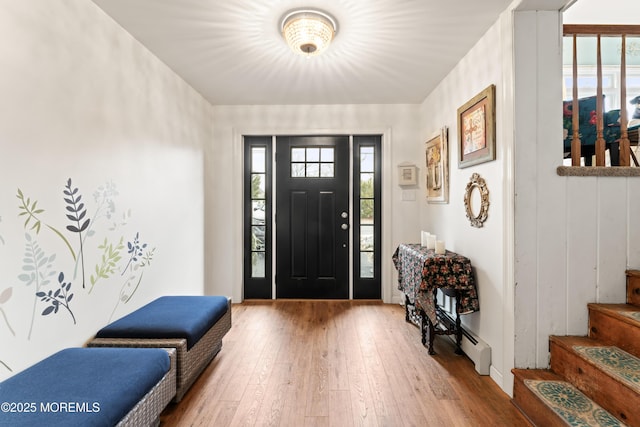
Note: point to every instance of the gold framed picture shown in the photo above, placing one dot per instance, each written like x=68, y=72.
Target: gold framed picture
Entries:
x=437, y=162
x=477, y=129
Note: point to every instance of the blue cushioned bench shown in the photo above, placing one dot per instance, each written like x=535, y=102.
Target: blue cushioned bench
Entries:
x=91, y=387
x=193, y=325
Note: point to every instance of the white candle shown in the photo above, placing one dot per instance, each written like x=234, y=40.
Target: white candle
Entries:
x=423, y=238
x=431, y=241
x=440, y=250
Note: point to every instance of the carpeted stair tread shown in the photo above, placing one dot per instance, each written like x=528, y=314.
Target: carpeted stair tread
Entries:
x=635, y=315
x=570, y=404
x=604, y=373
x=536, y=411
x=616, y=362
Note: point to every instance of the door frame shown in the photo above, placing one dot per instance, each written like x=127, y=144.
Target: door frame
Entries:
x=389, y=292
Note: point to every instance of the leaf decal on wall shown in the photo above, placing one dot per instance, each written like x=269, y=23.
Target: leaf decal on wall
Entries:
x=61, y=297
x=77, y=217
x=4, y=297
x=37, y=269
x=103, y=197
x=137, y=261
x=107, y=266
x=135, y=250
x=31, y=211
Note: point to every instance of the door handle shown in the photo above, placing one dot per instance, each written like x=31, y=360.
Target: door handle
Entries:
x=344, y=215
x=345, y=226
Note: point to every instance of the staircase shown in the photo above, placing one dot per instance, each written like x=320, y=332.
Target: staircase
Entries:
x=594, y=380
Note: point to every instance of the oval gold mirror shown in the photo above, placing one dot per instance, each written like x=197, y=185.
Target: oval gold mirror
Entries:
x=476, y=200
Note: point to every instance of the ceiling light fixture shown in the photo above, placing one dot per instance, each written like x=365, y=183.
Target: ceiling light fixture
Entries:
x=308, y=32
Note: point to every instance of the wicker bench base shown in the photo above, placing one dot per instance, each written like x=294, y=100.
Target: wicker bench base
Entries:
x=147, y=411
x=190, y=363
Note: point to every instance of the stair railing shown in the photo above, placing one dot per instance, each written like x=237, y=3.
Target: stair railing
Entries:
x=600, y=31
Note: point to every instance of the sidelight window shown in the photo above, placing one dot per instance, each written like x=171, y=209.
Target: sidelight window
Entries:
x=367, y=204
x=257, y=217
x=258, y=206
x=367, y=216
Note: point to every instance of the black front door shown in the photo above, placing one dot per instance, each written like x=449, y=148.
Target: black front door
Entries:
x=312, y=217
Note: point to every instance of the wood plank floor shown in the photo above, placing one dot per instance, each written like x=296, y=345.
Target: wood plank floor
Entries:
x=337, y=363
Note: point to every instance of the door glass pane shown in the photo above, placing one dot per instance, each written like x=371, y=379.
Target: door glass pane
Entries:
x=258, y=186
x=326, y=170
x=313, y=154
x=257, y=264
x=366, y=159
x=258, y=160
x=313, y=169
x=257, y=237
x=326, y=155
x=366, y=185
x=297, y=155
x=297, y=170
x=257, y=215
x=366, y=211
x=366, y=265
x=366, y=238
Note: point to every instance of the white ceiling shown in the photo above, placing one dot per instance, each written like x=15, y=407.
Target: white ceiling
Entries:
x=231, y=51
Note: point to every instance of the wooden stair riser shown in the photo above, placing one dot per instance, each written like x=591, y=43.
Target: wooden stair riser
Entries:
x=613, y=331
x=615, y=397
x=532, y=407
x=633, y=287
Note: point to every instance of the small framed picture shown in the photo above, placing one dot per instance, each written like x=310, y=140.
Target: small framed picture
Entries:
x=437, y=162
x=407, y=175
x=477, y=129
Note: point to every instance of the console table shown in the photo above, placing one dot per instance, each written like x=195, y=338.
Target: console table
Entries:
x=421, y=272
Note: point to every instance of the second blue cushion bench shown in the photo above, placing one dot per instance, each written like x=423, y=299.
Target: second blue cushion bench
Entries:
x=91, y=387
x=193, y=325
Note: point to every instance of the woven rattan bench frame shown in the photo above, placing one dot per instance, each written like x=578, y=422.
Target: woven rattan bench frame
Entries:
x=191, y=363
x=147, y=411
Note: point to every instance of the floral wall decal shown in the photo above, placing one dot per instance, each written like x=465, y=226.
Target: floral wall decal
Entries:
x=39, y=267
x=109, y=260
x=31, y=211
x=137, y=262
x=4, y=297
x=61, y=297
x=76, y=216
x=37, y=270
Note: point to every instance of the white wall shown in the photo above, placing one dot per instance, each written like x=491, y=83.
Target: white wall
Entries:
x=82, y=100
x=223, y=184
x=487, y=63
x=575, y=236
